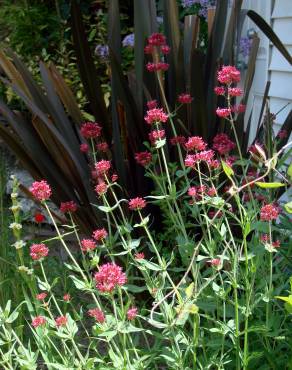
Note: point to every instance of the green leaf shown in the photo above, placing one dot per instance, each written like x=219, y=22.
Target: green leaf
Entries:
x=149, y=265
x=269, y=185
x=189, y=290
x=227, y=169
x=289, y=171
x=79, y=284
x=288, y=207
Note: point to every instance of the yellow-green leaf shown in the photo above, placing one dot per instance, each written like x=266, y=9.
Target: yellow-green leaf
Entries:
x=288, y=207
x=189, y=290
x=269, y=185
x=227, y=169
x=289, y=171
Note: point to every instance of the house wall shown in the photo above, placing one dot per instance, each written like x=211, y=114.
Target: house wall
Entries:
x=271, y=65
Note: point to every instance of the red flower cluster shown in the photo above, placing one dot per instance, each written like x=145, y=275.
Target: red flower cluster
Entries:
x=269, y=212
x=180, y=140
x=265, y=239
x=97, y=314
x=219, y=90
x=132, y=313
x=228, y=75
x=155, y=115
x=223, y=112
x=101, y=188
x=102, y=147
x=99, y=234
x=197, y=192
x=38, y=321
x=61, y=321
x=84, y=148
x=195, y=143
x=109, y=277
x=67, y=297
x=39, y=218
x=235, y=91
x=87, y=245
x=139, y=256
x=156, y=135
x=41, y=296
x=204, y=155
x=151, y=104
x=185, y=98
x=143, y=158
x=70, y=206
x=90, y=130
x=38, y=251
x=214, y=262
x=222, y=144
x=41, y=190
x=157, y=43
x=102, y=167
x=136, y=204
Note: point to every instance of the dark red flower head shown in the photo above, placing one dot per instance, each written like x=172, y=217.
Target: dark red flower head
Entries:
x=90, y=130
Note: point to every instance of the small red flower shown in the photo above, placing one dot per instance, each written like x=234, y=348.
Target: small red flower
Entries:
x=165, y=49
x=87, y=245
x=157, y=39
x=61, y=321
x=136, y=204
x=235, y=91
x=102, y=147
x=41, y=296
x=38, y=321
x=222, y=144
x=159, y=66
x=97, y=314
x=69, y=207
x=178, y=140
x=132, y=313
x=223, y=112
x=38, y=251
x=84, y=148
x=214, y=262
x=114, y=177
x=90, y=130
x=282, y=134
x=151, y=104
x=39, y=218
x=190, y=160
x=211, y=192
x=156, y=135
x=99, y=234
x=204, y=155
x=41, y=190
x=155, y=115
x=276, y=244
x=139, y=256
x=269, y=212
x=67, y=297
x=143, y=158
x=185, y=98
x=102, y=167
x=195, y=143
x=192, y=191
x=109, y=277
x=238, y=108
x=219, y=90
x=101, y=188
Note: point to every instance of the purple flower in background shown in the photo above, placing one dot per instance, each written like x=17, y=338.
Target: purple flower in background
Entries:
x=245, y=46
x=189, y=3
x=102, y=51
x=159, y=20
x=129, y=40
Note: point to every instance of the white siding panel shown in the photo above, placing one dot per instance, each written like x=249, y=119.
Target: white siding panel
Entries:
x=281, y=85
x=276, y=104
x=282, y=9
x=283, y=29
x=278, y=62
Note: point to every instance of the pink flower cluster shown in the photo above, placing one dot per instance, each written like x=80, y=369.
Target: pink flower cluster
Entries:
x=41, y=296
x=61, y=321
x=222, y=144
x=227, y=76
x=99, y=234
x=143, y=158
x=102, y=167
x=136, y=204
x=205, y=155
x=101, y=188
x=109, y=277
x=157, y=44
x=68, y=207
x=269, y=212
x=132, y=313
x=155, y=115
x=97, y=314
x=41, y=190
x=38, y=251
x=156, y=135
x=197, y=192
x=88, y=245
x=185, y=98
x=195, y=143
x=90, y=130
x=38, y=321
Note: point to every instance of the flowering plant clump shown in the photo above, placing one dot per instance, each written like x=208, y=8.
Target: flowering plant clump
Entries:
x=185, y=276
